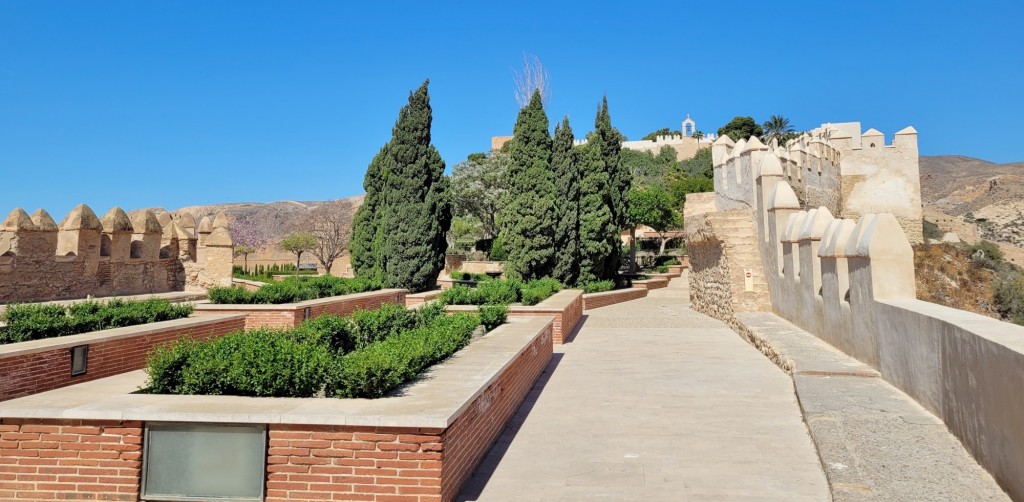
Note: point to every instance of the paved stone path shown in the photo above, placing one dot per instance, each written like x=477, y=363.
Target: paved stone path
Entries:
x=654, y=402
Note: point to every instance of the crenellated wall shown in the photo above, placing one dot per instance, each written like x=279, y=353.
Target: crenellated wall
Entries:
x=835, y=166
x=114, y=255
x=850, y=281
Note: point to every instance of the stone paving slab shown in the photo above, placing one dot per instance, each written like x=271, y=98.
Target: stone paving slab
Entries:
x=651, y=402
x=875, y=442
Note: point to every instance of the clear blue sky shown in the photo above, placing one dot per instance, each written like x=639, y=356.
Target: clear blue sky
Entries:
x=172, y=103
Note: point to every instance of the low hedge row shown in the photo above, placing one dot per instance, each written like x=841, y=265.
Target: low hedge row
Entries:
x=501, y=292
x=598, y=286
x=366, y=354
x=469, y=276
x=33, y=321
x=292, y=290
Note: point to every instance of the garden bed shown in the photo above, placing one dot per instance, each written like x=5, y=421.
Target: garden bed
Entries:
x=40, y=365
x=651, y=283
x=603, y=299
x=290, y=315
x=566, y=307
x=423, y=442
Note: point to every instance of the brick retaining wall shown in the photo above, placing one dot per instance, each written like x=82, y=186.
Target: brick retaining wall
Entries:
x=417, y=299
x=597, y=300
x=42, y=365
x=654, y=283
x=97, y=459
x=70, y=459
x=290, y=315
x=566, y=307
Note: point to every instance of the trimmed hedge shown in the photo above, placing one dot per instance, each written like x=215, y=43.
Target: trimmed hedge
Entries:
x=366, y=354
x=292, y=290
x=34, y=322
x=501, y=292
x=468, y=276
x=598, y=286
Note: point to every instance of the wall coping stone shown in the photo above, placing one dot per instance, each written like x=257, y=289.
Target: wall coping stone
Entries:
x=10, y=350
x=247, y=282
x=553, y=304
x=432, y=402
x=207, y=306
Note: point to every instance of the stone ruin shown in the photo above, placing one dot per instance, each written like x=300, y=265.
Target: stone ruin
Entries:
x=114, y=255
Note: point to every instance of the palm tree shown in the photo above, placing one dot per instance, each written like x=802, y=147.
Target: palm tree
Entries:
x=777, y=127
x=697, y=135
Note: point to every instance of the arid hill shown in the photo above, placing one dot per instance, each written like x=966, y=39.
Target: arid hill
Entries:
x=976, y=199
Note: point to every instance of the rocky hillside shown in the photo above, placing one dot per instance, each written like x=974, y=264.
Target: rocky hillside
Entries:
x=987, y=196
x=946, y=275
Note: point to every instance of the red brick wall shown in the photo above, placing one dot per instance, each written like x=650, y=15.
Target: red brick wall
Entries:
x=597, y=300
x=290, y=315
x=468, y=440
x=565, y=321
x=51, y=369
x=384, y=464
x=70, y=460
x=309, y=462
x=651, y=284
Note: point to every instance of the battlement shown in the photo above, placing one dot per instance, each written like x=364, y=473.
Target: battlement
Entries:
x=834, y=166
x=116, y=254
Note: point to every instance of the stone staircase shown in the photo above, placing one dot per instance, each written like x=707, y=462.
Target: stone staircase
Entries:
x=739, y=238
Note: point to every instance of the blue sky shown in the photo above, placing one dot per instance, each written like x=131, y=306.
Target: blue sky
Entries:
x=165, y=103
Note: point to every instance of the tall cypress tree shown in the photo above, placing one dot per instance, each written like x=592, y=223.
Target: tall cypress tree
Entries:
x=400, y=229
x=527, y=220
x=566, y=166
x=608, y=140
x=598, y=231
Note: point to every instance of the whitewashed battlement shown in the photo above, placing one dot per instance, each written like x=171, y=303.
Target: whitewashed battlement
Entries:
x=835, y=166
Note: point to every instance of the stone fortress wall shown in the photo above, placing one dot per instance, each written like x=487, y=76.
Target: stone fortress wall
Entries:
x=114, y=255
x=849, y=279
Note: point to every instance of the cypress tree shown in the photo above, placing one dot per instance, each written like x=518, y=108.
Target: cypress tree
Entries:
x=598, y=231
x=608, y=141
x=399, y=230
x=527, y=220
x=566, y=167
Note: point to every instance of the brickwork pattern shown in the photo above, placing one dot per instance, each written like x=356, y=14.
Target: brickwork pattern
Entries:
x=36, y=372
x=69, y=460
x=290, y=315
x=565, y=319
x=386, y=464
x=468, y=440
x=597, y=300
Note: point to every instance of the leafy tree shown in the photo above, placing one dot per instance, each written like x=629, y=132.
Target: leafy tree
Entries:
x=666, y=157
x=642, y=166
x=699, y=166
x=566, y=166
x=298, y=243
x=478, y=186
x=464, y=229
x=651, y=206
x=476, y=157
x=399, y=235
x=609, y=140
x=741, y=128
x=778, y=128
x=661, y=132
x=679, y=186
x=527, y=218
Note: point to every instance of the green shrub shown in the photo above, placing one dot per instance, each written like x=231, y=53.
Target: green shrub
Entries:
x=492, y=316
x=498, y=292
x=467, y=276
x=1008, y=296
x=34, y=322
x=539, y=290
x=387, y=348
x=497, y=251
x=986, y=254
x=262, y=362
x=292, y=290
x=381, y=367
x=598, y=286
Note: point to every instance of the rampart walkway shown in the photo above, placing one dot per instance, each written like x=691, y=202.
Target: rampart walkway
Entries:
x=654, y=402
